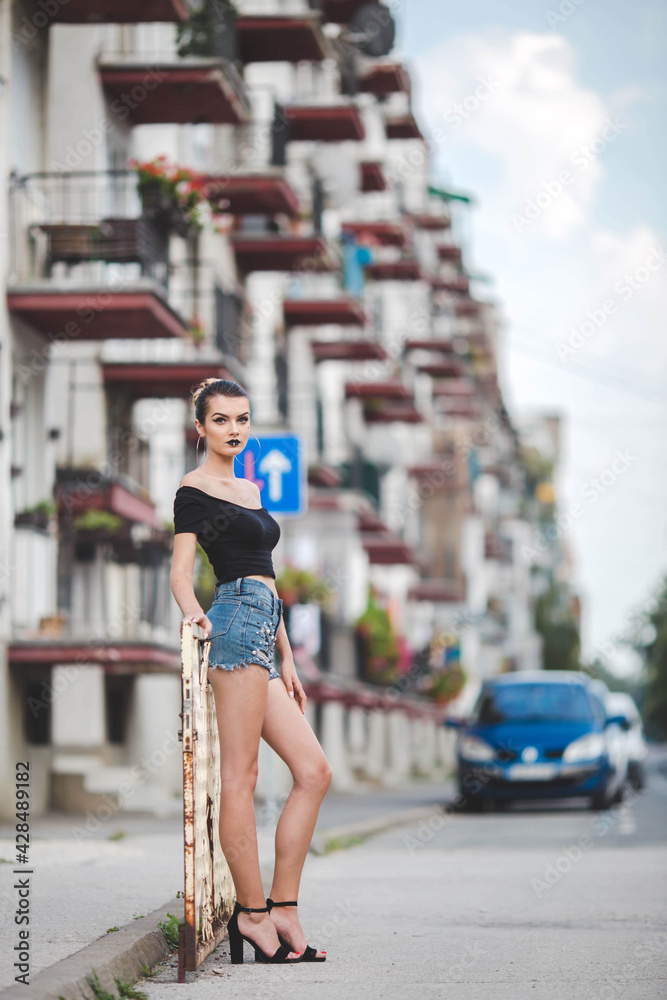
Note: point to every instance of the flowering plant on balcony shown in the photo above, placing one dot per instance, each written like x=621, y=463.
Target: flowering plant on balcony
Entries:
x=300, y=586
x=172, y=191
x=380, y=642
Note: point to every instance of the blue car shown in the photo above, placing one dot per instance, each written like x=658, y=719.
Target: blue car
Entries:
x=535, y=735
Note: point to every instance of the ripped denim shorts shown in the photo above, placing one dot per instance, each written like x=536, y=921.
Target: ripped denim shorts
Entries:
x=245, y=617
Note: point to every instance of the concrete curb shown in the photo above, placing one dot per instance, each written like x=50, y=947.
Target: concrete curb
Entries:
x=323, y=839
x=119, y=955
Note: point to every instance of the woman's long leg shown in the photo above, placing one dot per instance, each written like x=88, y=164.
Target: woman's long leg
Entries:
x=288, y=732
x=240, y=704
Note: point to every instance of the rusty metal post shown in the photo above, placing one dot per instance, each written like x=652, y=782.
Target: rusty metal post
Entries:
x=209, y=890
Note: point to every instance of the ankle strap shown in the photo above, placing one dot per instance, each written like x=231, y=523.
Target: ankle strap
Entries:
x=291, y=902
x=251, y=909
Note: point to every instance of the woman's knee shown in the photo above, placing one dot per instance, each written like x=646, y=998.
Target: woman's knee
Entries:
x=314, y=775
x=240, y=778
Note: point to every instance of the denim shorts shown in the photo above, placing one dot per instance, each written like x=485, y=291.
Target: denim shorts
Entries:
x=245, y=616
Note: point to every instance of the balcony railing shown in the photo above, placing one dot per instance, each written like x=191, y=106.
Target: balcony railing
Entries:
x=78, y=233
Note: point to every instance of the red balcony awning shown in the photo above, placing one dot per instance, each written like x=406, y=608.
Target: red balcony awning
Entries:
x=372, y=176
x=269, y=252
x=449, y=251
x=368, y=520
x=86, y=489
x=348, y=350
x=377, y=390
x=324, y=475
x=386, y=549
x=443, y=369
x=433, y=344
x=318, y=312
x=438, y=591
x=386, y=78
x=324, y=123
x=454, y=387
x=96, y=314
x=434, y=223
x=395, y=270
x=404, y=413
x=467, y=307
x=458, y=284
x=403, y=127
x=460, y=409
x=387, y=234
x=177, y=93
x=156, y=380
x=280, y=39
x=115, y=657
x=440, y=473
x=340, y=11
x=251, y=194
x=118, y=11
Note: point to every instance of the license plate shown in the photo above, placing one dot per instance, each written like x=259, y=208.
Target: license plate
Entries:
x=531, y=772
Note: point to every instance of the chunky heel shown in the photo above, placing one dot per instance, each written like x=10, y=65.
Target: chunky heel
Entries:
x=236, y=939
x=310, y=954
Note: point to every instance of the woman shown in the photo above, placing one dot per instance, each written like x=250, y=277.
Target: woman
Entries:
x=244, y=625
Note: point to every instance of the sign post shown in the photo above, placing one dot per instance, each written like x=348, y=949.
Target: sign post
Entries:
x=275, y=462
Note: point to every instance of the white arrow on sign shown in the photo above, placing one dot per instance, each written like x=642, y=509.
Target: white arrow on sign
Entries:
x=274, y=465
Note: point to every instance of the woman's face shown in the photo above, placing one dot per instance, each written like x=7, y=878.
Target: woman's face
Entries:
x=227, y=424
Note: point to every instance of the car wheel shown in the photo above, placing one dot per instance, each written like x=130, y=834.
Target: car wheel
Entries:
x=600, y=801
x=469, y=803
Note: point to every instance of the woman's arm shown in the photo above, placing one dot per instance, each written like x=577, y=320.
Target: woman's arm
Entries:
x=181, y=579
x=288, y=669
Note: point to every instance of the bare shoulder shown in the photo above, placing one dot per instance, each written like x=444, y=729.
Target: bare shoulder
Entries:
x=255, y=490
x=189, y=479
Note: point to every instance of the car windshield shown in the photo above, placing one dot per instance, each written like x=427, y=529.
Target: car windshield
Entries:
x=541, y=702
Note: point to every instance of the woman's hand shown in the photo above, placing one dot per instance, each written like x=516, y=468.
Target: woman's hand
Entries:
x=293, y=684
x=202, y=621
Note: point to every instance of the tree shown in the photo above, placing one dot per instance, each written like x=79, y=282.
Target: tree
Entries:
x=558, y=626
x=653, y=649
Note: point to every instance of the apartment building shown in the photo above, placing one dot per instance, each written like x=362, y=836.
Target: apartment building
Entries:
x=305, y=250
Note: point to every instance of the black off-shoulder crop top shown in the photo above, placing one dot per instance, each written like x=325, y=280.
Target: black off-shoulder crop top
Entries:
x=237, y=540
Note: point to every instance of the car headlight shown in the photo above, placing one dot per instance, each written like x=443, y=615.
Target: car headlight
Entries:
x=587, y=747
x=472, y=748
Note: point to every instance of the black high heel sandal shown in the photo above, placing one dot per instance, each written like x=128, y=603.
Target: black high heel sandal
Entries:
x=236, y=939
x=310, y=954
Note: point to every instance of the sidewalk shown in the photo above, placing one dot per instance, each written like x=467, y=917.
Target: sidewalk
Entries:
x=88, y=882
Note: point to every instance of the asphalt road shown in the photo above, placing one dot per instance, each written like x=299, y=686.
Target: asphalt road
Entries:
x=547, y=901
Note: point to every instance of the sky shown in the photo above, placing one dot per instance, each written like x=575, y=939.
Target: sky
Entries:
x=552, y=115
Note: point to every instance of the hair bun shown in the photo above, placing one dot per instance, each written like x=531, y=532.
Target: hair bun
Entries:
x=198, y=389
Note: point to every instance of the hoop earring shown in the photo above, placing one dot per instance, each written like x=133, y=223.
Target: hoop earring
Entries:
x=259, y=447
x=199, y=437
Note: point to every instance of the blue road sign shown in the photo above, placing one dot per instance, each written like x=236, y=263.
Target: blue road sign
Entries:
x=275, y=463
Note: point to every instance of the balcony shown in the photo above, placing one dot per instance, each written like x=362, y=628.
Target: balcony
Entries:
x=403, y=413
x=450, y=252
x=377, y=391
x=438, y=473
x=89, y=262
x=403, y=127
x=252, y=194
x=384, y=79
x=324, y=123
x=386, y=549
x=467, y=307
x=157, y=380
x=407, y=269
x=372, y=176
x=433, y=344
x=119, y=11
x=290, y=39
x=320, y=312
x=438, y=591
x=430, y=222
x=348, y=350
x=460, y=388
x=271, y=252
x=85, y=489
x=156, y=80
x=341, y=11
x=115, y=657
x=386, y=234
x=442, y=369
x=456, y=285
